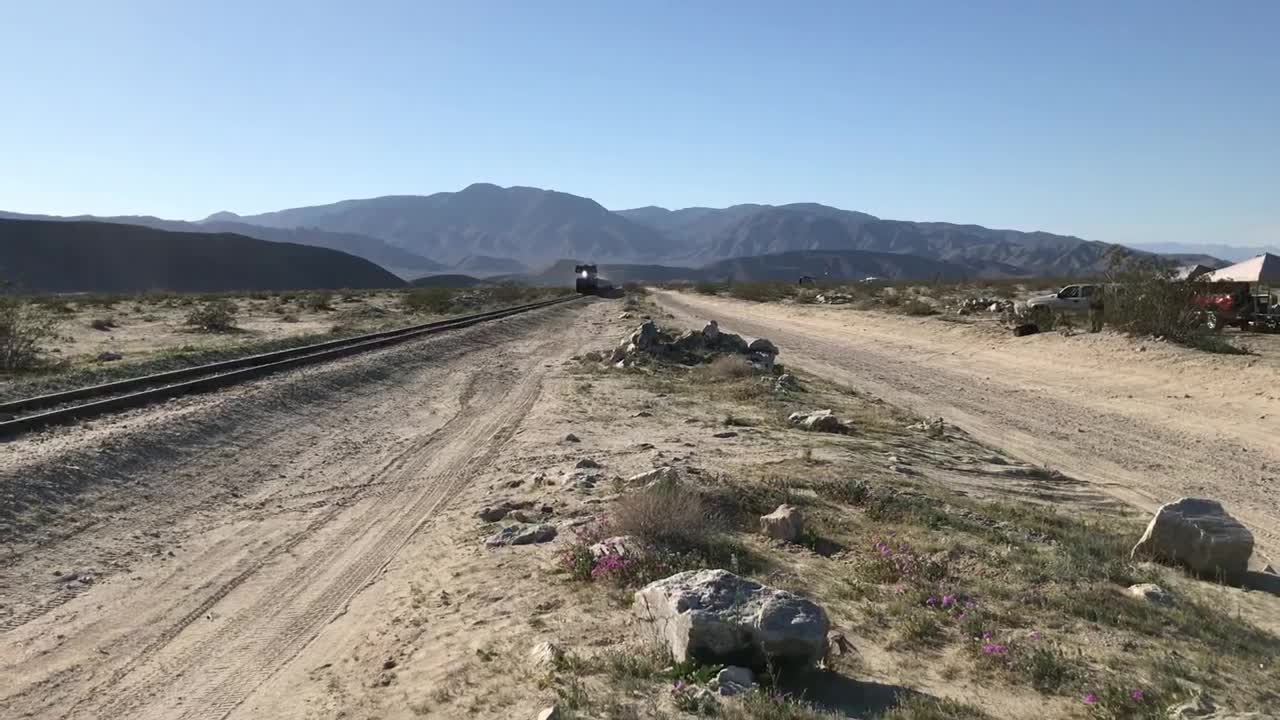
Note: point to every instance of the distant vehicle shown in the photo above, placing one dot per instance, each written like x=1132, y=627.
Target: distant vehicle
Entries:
x=586, y=279
x=1070, y=299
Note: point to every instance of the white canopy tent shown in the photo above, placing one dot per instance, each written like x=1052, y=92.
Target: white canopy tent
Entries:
x=1263, y=269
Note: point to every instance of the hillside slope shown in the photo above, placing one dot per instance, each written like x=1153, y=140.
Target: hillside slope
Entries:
x=531, y=225
x=69, y=256
x=752, y=230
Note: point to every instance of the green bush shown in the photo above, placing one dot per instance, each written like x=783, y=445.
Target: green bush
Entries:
x=319, y=302
x=24, y=329
x=1145, y=300
x=215, y=316
x=436, y=301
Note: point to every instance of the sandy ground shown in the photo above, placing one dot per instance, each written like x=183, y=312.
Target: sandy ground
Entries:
x=1146, y=421
x=144, y=327
x=225, y=532
x=306, y=546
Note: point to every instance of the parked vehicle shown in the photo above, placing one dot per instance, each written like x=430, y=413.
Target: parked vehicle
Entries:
x=1070, y=299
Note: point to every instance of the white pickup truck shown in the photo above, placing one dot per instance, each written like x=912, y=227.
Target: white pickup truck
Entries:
x=1070, y=299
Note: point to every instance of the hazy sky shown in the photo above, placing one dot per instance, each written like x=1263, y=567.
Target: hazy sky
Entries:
x=1117, y=121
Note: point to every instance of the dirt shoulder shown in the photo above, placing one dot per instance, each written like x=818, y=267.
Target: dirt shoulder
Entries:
x=1145, y=421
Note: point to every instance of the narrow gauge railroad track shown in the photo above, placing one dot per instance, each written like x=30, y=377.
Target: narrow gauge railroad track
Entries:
x=26, y=414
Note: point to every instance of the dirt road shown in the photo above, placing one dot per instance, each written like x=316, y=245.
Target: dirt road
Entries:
x=1147, y=422
x=224, y=532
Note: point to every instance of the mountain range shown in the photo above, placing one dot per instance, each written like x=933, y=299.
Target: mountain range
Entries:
x=487, y=230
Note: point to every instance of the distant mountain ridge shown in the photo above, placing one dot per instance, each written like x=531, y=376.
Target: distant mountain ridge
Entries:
x=530, y=225
x=100, y=257
x=485, y=229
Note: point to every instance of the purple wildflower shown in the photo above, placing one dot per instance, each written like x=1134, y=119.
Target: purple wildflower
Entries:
x=994, y=649
x=1136, y=695
x=1090, y=699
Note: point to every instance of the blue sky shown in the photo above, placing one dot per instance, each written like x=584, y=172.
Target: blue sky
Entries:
x=1117, y=121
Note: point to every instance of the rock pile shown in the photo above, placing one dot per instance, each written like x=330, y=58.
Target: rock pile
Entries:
x=691, y=347
x=969, y=306
x=833, y=298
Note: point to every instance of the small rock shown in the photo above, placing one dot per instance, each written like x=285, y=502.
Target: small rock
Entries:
x=524, y=516
x=571, y=438
x=587, y=464
x=786, y=381
x=522, y=534
x=385, y=679
x=643, y=414
x=545, y=655
x=725, y=434
x=551, y=713
x=493, y=514
x=1151, y=593
x=711, y=331
x=621, y=545
x=760, y=345
x=734, y=680
x=512, y=484
x=785, y=524
x=594, y=356
x=817, y=421
x=109, y=356
x=390, y=664
x=625, y=316
x=902, y=469
x=664, y=474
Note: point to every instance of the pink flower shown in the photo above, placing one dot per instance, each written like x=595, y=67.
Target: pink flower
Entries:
x=994, y=649
x=988, y=635
x=1136, y=695
x=948, y=600
x=1090, y=699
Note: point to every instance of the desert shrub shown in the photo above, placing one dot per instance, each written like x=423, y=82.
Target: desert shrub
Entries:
x=667, y=516
x=729, y=367
x=103, y=323
x=214, y=316
x=318, y=302
x=54, y=304
x=917, y=307
x=761, y=291
x=923, y=707
x=289, y=317
x=1145, y=300
x=707, y=288
x=24, y=329
x=429, y=300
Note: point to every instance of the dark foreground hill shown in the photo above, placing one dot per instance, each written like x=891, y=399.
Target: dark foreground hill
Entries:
x=396, y=259
x=44, y=256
